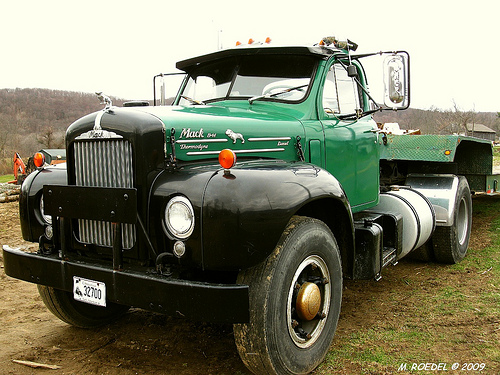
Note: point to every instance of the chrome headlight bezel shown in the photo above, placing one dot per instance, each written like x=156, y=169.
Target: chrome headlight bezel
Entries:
x=179, y=218
x=46, y=218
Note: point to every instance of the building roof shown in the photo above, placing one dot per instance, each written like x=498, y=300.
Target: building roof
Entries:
x=479, y=128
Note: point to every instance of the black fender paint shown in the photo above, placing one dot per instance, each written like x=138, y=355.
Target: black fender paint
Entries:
x=241, y=213
x=32, y=224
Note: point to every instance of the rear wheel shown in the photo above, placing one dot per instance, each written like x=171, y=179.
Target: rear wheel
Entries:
x=450, y=243
x=79, y=314
x=295, y=298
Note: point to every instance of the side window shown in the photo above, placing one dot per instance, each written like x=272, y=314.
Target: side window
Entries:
x=340, y=94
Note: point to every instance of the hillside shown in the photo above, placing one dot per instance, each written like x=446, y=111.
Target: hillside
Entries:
x=34, y=118
x=437, y=121
x=31, y=119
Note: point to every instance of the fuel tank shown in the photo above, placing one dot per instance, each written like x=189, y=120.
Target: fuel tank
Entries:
x=419, y=217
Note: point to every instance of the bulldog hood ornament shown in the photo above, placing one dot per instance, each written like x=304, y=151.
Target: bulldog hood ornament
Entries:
x=106, y=100
x=97, y=131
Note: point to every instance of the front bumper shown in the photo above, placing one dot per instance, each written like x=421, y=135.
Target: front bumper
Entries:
x=218, y=303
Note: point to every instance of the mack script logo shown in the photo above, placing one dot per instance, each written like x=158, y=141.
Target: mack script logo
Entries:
x=199, y=134
x=188, y=133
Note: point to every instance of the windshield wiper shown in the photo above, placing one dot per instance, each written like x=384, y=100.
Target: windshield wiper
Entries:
x=251, y=100
x=192, y=101
x=358, y=115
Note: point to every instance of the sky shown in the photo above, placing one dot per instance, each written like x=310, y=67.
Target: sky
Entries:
x=118, y=46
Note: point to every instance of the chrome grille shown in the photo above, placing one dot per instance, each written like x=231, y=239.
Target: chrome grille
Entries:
x=104, y=163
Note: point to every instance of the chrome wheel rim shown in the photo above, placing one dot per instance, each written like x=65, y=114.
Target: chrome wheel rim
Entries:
x=305, y=330
x=462, y=221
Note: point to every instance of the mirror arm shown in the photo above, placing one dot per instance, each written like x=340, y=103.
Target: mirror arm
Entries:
x=380, y=53
x=379, y=107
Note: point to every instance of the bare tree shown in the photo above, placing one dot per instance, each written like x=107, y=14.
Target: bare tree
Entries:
x=454, y=120
x=8, y=135
x=48, y=137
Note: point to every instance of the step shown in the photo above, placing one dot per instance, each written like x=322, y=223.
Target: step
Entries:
x=388, y=256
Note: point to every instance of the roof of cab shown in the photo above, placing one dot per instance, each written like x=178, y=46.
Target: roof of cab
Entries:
x=319, y=52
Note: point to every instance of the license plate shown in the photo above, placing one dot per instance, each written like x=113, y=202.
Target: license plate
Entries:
x=89, y=291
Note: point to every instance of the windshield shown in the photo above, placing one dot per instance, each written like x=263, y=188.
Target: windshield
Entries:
x=269, y=77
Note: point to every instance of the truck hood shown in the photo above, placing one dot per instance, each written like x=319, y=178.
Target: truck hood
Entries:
x=201, y=132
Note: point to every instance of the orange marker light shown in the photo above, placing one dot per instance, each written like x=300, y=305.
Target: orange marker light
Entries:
x=447, y=152
x=268, y=40
x=227, y=158
x=251, y=41
x=238, y=43
x=38, y=159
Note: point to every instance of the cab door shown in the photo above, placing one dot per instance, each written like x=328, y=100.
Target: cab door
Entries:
x=351, y=145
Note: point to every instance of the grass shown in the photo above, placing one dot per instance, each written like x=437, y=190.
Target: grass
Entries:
x=496, y=156
x=6, y=178
x=428, y=313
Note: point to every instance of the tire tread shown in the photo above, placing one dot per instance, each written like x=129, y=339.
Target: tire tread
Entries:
x=78, y=314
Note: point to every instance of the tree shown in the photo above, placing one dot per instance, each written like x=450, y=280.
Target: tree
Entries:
x=454, y=120
x=5, y=134
x=50, y=139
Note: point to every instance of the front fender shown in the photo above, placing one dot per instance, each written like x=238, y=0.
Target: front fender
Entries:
x=246, y=210
x=32, y=224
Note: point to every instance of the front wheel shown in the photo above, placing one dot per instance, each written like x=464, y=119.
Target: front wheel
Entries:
x=79, y=314
x=295, y=298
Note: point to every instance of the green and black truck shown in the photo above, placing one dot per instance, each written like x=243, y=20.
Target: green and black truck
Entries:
x=247, y=200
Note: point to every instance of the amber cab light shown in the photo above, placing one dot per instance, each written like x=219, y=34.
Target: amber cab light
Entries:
x=227, y=158
x=38, y=159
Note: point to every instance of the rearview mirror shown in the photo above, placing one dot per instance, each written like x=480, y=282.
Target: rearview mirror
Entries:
x=397, y=80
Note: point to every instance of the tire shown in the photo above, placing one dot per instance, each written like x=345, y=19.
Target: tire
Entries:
x=283, y=337
x=450, y=243
x=79, y=314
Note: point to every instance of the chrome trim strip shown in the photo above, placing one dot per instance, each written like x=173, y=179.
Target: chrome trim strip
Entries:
x=97, y=121
x=195, y=153
x=269, y=139
x=214, y=140
x=98, y=134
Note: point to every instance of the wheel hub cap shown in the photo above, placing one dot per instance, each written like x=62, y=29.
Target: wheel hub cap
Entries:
x=308, y=301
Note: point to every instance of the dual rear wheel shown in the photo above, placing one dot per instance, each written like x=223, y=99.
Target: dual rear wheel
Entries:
x=450, y=243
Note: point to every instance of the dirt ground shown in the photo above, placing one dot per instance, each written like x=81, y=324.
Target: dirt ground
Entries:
x=148, y=343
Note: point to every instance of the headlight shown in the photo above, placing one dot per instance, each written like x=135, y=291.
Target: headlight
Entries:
x=179, y=218
x=46, y=218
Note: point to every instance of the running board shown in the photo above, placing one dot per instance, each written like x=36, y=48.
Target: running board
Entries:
x=389, y=256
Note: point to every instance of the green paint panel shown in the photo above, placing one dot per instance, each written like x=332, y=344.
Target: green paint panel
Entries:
x=315, y=153
x=419, y=147
x=201, y=132
x=437, y=148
